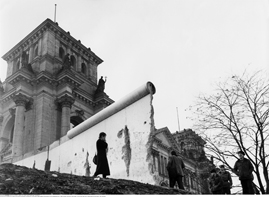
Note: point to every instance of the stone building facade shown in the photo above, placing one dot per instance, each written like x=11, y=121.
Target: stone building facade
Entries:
x=50, y=87
x=190, y=147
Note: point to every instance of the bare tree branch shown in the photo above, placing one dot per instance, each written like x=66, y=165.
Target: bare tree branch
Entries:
x=236, y=117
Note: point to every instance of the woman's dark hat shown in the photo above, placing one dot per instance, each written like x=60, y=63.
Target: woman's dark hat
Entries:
x=240, y=152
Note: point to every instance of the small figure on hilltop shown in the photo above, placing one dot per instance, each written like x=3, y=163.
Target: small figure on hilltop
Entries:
x=243, y=169
x=227, y=180
x=102, y=163
x=175, y=168
x=101, y=85
x=215, y=182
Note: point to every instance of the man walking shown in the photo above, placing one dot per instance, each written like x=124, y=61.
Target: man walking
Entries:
x=243, y=169
x=227, y=180
x=175, y=170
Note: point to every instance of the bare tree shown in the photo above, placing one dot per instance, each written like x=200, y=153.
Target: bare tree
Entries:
x=236, y=117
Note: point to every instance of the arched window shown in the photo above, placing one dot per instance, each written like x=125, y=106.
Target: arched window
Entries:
x=11, y=134
x=83, y=68
x=8, y=131
x=73, y=61
x=61, y=52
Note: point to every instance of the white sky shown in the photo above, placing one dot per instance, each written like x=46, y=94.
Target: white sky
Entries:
x=182, y=46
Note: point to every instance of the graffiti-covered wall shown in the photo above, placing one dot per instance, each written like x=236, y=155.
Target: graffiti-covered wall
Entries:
x=129, y=125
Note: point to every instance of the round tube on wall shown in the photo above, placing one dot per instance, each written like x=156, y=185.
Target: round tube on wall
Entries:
x=129, y=99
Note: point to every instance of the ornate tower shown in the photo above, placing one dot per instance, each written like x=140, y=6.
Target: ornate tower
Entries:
x=191, y=145
x=51, y=86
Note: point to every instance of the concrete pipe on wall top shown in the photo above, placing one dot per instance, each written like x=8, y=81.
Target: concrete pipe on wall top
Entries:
x=129, y=99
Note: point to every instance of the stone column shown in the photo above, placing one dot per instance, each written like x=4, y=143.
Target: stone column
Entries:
x=3, y=140
x=17, y=145
x=66, y=102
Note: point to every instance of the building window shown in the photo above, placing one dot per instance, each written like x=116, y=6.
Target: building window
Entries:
x=61, y=52
x=36, y=51
x=161, y=170
x=11, y=135
x=83, y=68
x=159, y=164
x=73, y=61
x=185, y=180
x=154, y=163
x=17, y=64
x=165, y=164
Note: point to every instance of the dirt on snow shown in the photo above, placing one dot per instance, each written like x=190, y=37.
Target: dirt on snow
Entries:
x=16, y=179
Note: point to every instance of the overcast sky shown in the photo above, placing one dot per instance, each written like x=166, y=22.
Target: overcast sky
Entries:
x=183, y=46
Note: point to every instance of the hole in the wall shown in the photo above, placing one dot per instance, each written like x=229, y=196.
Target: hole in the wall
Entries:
x=145, y=122
x=82, y=149
x=75, y=154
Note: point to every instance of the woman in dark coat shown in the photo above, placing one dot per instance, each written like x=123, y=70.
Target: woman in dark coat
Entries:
x=102, y=163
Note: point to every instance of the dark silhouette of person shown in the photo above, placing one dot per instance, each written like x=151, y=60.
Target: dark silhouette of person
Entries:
x=227, y=180
x=243, y=169
x=215, y=182
x=102, y=162
x=101, y=85
x=175, y=170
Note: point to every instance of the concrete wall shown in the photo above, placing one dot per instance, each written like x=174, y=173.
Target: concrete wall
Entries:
x=129, y=126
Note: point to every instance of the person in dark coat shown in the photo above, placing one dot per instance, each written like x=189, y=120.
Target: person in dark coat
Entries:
x=102, y=163
x=175, y=170
x=215, y=182
x=243, y=169
x=227, y=180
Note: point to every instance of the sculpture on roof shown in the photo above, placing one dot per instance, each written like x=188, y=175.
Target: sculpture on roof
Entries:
x=101, y=85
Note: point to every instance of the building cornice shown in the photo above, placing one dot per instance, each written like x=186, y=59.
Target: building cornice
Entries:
x=68, y=77
x=8, y=95
x=104, y=99
x=160, y=144
x=83, y=96
x=45, y=77
x=21, y=75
